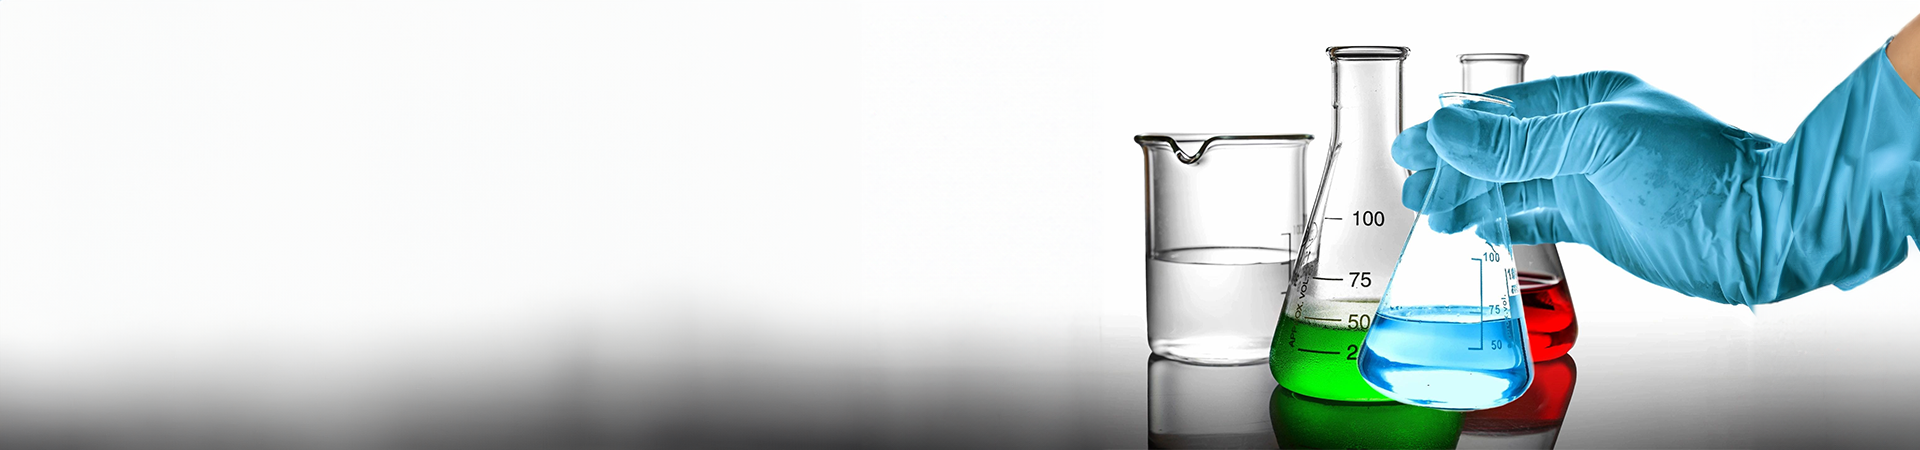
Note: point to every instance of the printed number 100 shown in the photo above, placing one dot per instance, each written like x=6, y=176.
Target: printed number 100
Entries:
x=1369, y=218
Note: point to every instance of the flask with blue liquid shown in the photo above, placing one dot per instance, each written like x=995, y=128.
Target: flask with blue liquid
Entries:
x=1449, y=333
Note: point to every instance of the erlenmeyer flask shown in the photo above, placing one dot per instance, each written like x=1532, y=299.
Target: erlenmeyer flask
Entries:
x=1305, y=422
x=1449, y=334
x=1551, y=326
x=1354, y=233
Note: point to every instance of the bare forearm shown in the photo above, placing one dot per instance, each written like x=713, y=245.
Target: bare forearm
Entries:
x=1904, y=52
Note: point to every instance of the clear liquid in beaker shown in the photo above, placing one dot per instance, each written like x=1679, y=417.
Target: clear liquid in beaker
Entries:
x=1216, y=305
x=1448, y=357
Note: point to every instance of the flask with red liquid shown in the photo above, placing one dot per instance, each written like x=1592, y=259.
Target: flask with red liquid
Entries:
x=1544, y=298
x=1533, y=420
x=1551, y=327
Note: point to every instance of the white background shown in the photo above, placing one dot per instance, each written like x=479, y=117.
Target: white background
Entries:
x=242, y=198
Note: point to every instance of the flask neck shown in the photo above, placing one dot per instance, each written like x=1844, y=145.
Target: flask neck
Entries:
x=1481, y=76
x=1366, y=104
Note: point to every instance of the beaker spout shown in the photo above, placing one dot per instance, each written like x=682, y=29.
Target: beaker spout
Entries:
x=1189, y=147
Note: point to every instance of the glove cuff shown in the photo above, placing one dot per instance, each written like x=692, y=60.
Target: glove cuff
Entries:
x=1856, y=161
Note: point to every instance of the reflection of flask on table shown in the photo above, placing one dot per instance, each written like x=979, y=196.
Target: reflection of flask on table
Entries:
x=1305, y=422
x=1192, y=406
x=1355, y=232
x=1449, y=333
x=1551, y=327
x=1534, y=420
x=1223, y=216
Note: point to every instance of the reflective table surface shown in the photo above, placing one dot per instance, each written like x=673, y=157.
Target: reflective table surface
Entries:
x=608, y=225
x=1651, y=370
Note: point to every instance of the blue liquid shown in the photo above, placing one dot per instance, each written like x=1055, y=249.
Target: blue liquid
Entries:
x=1447, y=357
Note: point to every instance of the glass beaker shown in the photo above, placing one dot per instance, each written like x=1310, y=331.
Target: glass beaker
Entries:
x=1194, y=406
x=1534, y=420
x=1551, y=325
x=1353, y=235
x=1223, y=216
x=1449, y=333
x=1300, y=421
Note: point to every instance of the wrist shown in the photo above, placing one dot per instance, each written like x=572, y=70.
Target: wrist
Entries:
x=1904, y=53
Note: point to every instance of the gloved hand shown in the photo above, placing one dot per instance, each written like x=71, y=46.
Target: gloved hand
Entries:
x=1676, y=197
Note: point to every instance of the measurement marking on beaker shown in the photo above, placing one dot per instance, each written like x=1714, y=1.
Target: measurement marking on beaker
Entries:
x=1323, y=352
x=1358, y=300
x=1335, y=218
x=1328, y=279
x=1323, y=319
x=1481, y=274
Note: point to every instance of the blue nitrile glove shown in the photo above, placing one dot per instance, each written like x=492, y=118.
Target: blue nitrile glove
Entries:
x=1678, y=198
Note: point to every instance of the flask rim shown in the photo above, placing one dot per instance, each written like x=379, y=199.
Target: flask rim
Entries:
x=1515, y=57
x=1368, y=53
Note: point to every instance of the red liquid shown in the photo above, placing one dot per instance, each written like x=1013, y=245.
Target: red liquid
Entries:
x=1551, y=328
x=1544, y=406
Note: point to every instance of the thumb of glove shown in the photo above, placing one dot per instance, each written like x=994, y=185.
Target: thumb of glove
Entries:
x=1506, y=149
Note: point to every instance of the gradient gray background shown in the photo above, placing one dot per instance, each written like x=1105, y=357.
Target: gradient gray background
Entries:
x=773, y=224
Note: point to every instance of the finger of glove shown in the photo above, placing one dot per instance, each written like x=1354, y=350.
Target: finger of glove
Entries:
x=1412, y=151
x=1561, y=94
x=1440, y=189
x=1529, y=195
x=1515, y=198
x=1539, y=226
x=1474, y=210
x=1413, y=191
x=1504, y=149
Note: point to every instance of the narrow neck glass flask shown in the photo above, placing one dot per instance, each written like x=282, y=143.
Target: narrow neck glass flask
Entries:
x=1354, y=234
x=1544, y=296
x=1448, y=334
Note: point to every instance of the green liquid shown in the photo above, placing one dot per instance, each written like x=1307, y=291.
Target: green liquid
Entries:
x=1301, y=422
x=1320, y=362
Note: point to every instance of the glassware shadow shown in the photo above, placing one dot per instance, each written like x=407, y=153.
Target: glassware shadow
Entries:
x=1533, y=421
x=1300, y=421
x=1196, y=406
